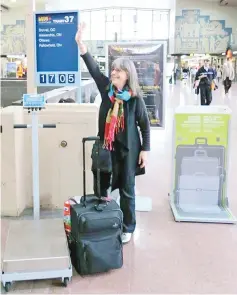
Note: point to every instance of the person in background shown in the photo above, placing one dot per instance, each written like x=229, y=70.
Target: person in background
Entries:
x=214, y=70
x=219, y=74
x=157, y=75
x=175, y=71
x=122, y=109
x=228, y=75
x=185, y=74
x=20, y=71
x=205, y=75
x=186, y=70
x=193, y=73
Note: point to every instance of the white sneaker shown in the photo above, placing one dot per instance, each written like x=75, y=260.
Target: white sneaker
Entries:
x=126, y=237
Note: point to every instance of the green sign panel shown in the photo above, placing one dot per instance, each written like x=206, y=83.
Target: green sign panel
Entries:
x=200, y=165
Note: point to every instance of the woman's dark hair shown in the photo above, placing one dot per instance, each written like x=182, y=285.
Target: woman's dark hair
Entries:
x=66, y=100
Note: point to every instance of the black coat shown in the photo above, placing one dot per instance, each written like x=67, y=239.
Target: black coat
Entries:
x=128, y=144
x=210, y=76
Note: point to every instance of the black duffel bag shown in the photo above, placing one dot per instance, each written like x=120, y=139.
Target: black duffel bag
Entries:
x=104, y=162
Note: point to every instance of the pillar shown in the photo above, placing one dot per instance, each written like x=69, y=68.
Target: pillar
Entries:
x=30, y=47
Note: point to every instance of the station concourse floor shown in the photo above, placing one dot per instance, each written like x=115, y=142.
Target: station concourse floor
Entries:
x=165, y=257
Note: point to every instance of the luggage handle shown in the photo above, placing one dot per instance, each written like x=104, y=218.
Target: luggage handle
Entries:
x=100, y=207
x=201, y=140
x=90, y=138
x=103, y=202
x=73, y=200
x=200, y=153
x=199, y=174
x=84, y=140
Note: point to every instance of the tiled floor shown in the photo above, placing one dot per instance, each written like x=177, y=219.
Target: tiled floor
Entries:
x=165, y=256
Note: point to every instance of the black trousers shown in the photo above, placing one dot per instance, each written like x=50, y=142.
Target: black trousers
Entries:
x=127, y=199
x=175, y=78
x=206, y=94
x=227, y=84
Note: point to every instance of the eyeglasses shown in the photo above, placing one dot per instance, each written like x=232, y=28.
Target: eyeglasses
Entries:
x=116, y=70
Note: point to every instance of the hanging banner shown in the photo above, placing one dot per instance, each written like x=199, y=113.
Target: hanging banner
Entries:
x=149, y=59
x=57, y=57
x=200, y=164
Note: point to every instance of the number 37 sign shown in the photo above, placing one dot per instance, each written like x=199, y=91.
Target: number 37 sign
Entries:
x=57, y=57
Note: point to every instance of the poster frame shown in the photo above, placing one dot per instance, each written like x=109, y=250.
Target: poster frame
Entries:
x=7, y=64
x=133, y=43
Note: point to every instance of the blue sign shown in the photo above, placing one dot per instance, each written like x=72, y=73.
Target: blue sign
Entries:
x=57, y=53
x=33, y=101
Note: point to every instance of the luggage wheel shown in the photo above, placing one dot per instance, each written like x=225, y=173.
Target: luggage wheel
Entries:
x=7, y=286
x=65, y=282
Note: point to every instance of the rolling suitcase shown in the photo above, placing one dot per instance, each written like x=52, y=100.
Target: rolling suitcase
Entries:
x=96, y=229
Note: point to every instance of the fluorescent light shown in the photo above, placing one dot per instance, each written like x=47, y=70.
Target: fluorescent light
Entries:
x=15, y=56
x=234, y=52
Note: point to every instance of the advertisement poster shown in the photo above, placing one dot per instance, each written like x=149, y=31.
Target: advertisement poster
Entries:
x=201, y=164
x=149, y=62
x=11, y=68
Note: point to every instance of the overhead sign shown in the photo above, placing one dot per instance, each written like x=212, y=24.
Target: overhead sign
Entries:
x=56, y=53
x=33, y=101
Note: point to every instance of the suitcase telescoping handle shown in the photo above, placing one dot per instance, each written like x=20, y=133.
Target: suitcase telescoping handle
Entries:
x=84, y=140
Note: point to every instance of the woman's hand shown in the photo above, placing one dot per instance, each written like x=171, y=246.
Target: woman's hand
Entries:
x=79, y=38
x=119, y=101
x=79, y=34
x=142, y=159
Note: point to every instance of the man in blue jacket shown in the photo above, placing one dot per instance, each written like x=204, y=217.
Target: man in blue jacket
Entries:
x=206, y=76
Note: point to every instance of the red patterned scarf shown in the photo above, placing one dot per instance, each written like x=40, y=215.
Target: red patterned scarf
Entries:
x=115, y=117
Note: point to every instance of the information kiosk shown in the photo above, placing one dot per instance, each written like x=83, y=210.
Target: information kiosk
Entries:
x=35, y=249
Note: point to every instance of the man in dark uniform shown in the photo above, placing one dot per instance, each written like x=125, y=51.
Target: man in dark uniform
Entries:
x=206, y=75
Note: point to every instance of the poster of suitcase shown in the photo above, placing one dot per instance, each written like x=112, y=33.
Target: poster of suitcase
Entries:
x=148, y=58
x=200, y=164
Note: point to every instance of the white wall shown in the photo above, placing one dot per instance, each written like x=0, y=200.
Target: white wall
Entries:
x=216, y=12
x=91, y=4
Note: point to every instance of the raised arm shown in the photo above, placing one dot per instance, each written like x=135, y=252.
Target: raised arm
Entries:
x=143, y=123
x=100, y=79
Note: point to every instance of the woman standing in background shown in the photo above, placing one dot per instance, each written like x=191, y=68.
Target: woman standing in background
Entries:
x=228, y=75
x=219, y=74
